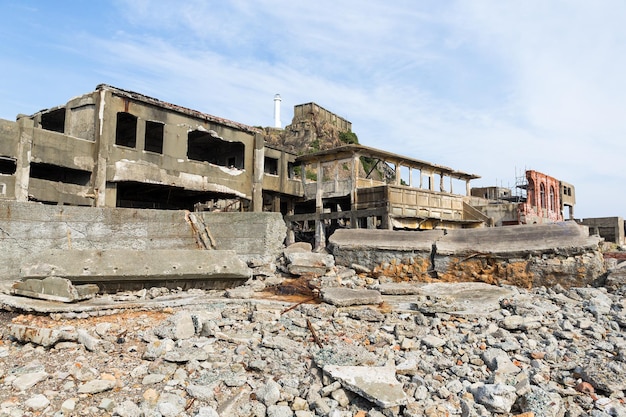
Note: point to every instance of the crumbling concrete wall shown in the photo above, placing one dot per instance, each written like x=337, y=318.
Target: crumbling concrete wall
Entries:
x=29, y=228
x=527, y=255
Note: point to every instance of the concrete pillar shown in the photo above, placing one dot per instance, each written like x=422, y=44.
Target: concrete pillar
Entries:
x=441, y=187
x=431, y=181
x=24, y=147
x=396, y=168
x=355, y=165
x=258, y=173
x=104, y=136
x=468, y=190
x=291, y=236
x=320, y=235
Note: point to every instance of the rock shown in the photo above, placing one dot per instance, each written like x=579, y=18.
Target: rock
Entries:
x=616, y=279
x=92, y=343
x=37, y=402
x=177, y=327
x=542, y=403
x=343, y=297
x=497, y=398
x=29, y=380
x=376, y=384
x=54, y=289
x=127, y=409
x=158, y=348
x=309, y=263
x=39, y=335
x=185, y=355
x=96, y=386
x=433, y=341
x=279, y=411
x=206, y=412
x=269, y=393
x=498, y=361
x=605, y=375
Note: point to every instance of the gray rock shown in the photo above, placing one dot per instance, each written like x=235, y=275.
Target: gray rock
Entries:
x=157, y=349
x=542, y=403
x=96, y=386
x=605, y=375
x=433, y=341
x=376, y=384
x=177, y=327
x=269, y=393
x=92, y=343
x=279, y=411
x=498, y=361
x=497, y=398
x=29, y=380
x=206, y=412
x=343, y=297
x=128, y=409
x=185, y=354
x=309, y=263
x=37, y=402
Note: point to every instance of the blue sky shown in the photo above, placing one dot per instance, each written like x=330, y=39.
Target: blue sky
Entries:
x=483, y=86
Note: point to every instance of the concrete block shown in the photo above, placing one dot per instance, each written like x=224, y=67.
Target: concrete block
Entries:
x=303, y=263
x=54, y=289
x=343, y=297
x=139, y=268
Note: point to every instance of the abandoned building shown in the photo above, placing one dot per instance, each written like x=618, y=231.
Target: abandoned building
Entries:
x=539, y=198
x=117, y=148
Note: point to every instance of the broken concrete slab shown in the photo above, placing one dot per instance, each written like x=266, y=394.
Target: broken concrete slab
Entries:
x=373, y=248
x=54, y=289
x=377, y=384
x=343, y=297
x=40, y=335
x=463, y=298
x=528, y=255
x=309, y=263
x=135, y=269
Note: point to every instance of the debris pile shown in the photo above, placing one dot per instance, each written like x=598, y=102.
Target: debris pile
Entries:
x=365, y=348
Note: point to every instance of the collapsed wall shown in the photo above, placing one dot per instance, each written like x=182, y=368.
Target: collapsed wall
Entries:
x=527, y=255
x=29, y=232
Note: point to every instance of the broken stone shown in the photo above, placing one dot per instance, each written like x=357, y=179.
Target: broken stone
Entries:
x=309, y=263
x=96, y=386
x=29, y=380
x=343, y=297
x=39, y=335
x=54, y=289
x=377, y=384
x=177, y=327
x=498, y=398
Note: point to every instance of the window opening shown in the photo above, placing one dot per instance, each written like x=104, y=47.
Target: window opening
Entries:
x=154, y=137
x=271, y=166
x=552, y=199
x=58, y=173
x=126, y=130
x=8, y=166
x=542, y=195
x=54, y=120
x=208, y=147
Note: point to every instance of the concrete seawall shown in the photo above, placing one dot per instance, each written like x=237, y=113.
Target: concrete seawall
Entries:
x=30, y=229
x=527, y=256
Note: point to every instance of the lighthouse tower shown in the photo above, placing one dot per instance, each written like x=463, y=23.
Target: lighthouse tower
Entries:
x=277, y=101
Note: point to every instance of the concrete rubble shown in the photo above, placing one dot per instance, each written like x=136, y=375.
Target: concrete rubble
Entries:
x=434, y=349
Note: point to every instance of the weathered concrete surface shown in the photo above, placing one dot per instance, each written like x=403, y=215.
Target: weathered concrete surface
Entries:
x=27, y=228
x=530, y=255
x=54, y=289
x=376, y=383
x=343, y=297
x=463, y=298
x=309, y=263
x=140, y=269
x=385, y=252
x=527, y=256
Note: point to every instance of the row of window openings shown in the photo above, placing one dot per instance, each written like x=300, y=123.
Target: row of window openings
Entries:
x=201, y=145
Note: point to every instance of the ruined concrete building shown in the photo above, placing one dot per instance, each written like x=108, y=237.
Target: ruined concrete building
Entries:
x=117, y=148
x=540, y=199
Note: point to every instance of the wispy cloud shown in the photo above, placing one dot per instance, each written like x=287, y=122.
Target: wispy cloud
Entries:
x=484, y=86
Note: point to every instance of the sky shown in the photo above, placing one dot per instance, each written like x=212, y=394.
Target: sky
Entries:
x=487, y=87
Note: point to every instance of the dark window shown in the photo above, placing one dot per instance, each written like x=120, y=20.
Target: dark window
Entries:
x=54, y=120
x=271, y=166
x=8, y=166
x=542, y=195
x=154, y=137
x=552, y=199
x=208, y=147
x=126, y=130
x=59, y=174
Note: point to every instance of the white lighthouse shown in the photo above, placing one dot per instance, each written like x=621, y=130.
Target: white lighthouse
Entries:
x=277, y=101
